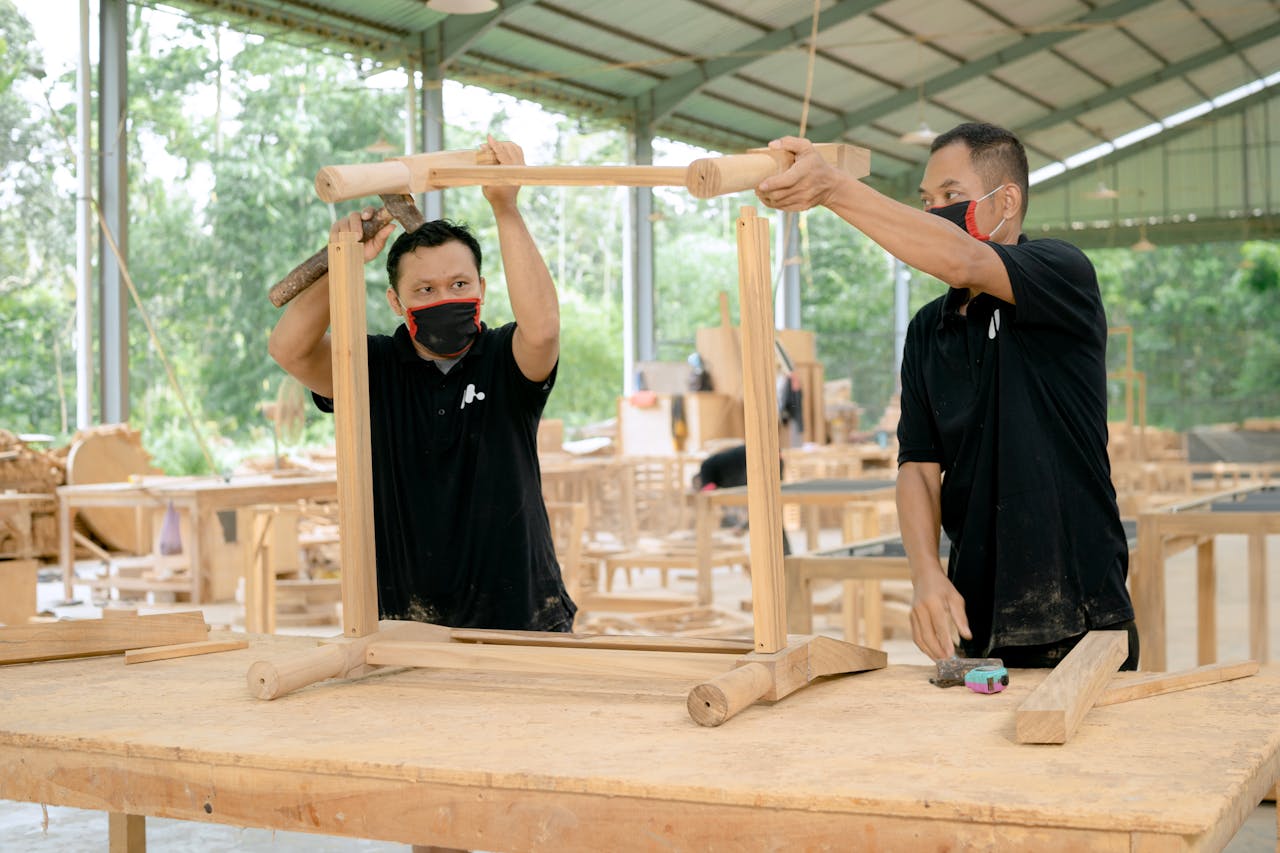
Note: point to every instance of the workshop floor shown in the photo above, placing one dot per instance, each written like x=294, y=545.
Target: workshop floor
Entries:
x=31, y=827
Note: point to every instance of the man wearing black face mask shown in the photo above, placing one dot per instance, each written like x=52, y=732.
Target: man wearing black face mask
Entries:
x=1004, y=411
x=461, y=532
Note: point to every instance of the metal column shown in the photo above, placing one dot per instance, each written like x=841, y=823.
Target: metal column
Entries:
x=637, y=280
x=432, y=116
x=113, y=187
x=787, y=302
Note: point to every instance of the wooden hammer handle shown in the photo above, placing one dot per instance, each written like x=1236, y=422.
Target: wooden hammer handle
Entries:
x=715, y=701
x=309, y=271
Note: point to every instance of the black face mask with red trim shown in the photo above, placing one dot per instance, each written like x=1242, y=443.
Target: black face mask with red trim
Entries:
x=964, y=214
x=446, y=328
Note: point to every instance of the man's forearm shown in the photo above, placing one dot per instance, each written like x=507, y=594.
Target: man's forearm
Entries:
x=919, y=518
x=529, y=284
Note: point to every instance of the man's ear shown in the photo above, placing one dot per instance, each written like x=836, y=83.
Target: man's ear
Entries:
x=1011, y=199
x=394, y=301
x=482, y=289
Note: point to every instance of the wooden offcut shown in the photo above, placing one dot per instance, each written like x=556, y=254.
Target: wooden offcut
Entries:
x=1159, y=683
x=183, y=650
x=1055, y=708
x=88, y=637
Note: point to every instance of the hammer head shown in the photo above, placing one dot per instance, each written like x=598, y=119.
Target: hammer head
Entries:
x=952, y=670
x=404, y=209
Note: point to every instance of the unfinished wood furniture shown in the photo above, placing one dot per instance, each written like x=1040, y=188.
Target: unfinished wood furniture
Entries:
x=279, y=586
x=26, y=523
x=199, y=500
x=777, y=665
x=866, y=562
x=885, y=760
x=810, y=495
x=1254, y=512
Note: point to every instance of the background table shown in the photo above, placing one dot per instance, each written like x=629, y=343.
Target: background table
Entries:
x=811, y=495
x=201, y=498
x=1252, y=511
x=520, y=762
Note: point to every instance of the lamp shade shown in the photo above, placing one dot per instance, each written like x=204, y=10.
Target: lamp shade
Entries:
x=462, y=7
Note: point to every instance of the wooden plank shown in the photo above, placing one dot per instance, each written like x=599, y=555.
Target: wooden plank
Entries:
x=183, y=650
x=1055, y=708
x=764, y=488
x=633, y=642
x=558, y=660
x=17, y=591
x=87, y=637
x=350, y=355
x=1158, y=683
x=555, y=176
x=126, y=833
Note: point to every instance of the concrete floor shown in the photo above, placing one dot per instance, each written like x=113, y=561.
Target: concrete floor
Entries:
x=31, y=827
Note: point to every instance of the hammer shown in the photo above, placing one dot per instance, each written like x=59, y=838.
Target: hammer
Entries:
x=391, y=180
x=398, y=206
x=952, y=670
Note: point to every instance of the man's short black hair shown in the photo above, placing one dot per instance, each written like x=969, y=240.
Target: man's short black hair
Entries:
x=997, y=155
x=434, y=233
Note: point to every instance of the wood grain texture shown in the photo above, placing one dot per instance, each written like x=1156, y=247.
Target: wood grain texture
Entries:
x=611, y=762
x=183, y=650
x=1158, y=683
x=350, y=355
x=764, y=504
x=1054, y=710
x=87, y=637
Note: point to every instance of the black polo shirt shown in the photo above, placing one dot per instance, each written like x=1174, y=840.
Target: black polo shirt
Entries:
x=1011, y=401
x=461, y=529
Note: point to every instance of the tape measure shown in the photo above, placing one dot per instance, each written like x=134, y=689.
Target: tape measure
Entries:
x=987, y=679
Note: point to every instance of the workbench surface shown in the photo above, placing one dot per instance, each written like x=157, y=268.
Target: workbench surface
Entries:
x=499, y=761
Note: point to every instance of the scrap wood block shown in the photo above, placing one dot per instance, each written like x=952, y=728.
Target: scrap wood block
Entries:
x=87, y=637
x=183, y=650
x=1055, y=708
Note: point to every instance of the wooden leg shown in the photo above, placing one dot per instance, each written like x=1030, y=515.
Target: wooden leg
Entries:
x=1206, y=604
x=872, y=614
x=1147, y=586
x=705, y=514
x=799, y=603
x=850, y=604
x=66, y=556
x=812, y=525
x=126, y=833
x=1258, y=644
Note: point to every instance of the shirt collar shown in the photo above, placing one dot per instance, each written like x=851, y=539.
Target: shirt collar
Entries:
x=408, y=353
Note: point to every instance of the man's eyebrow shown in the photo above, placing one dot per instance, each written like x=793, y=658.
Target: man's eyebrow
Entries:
x=949, y=182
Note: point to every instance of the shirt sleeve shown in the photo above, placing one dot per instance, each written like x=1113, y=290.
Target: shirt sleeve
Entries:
x=532, y=395
x=1054, y=285
x=917, y=437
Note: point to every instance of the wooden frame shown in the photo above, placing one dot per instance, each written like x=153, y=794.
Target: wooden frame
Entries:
x=778, y=665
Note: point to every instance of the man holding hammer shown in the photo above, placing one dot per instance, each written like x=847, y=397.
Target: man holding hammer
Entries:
x=461, y=531
x=1003, y=433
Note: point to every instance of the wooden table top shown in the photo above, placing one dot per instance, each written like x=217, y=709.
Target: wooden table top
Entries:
x=504, y=761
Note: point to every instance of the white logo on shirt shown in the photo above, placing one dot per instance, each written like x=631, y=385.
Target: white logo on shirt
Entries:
x=995, y=324
x=471, y=395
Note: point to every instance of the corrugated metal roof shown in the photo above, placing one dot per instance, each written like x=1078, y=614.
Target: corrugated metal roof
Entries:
x=729, y=74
